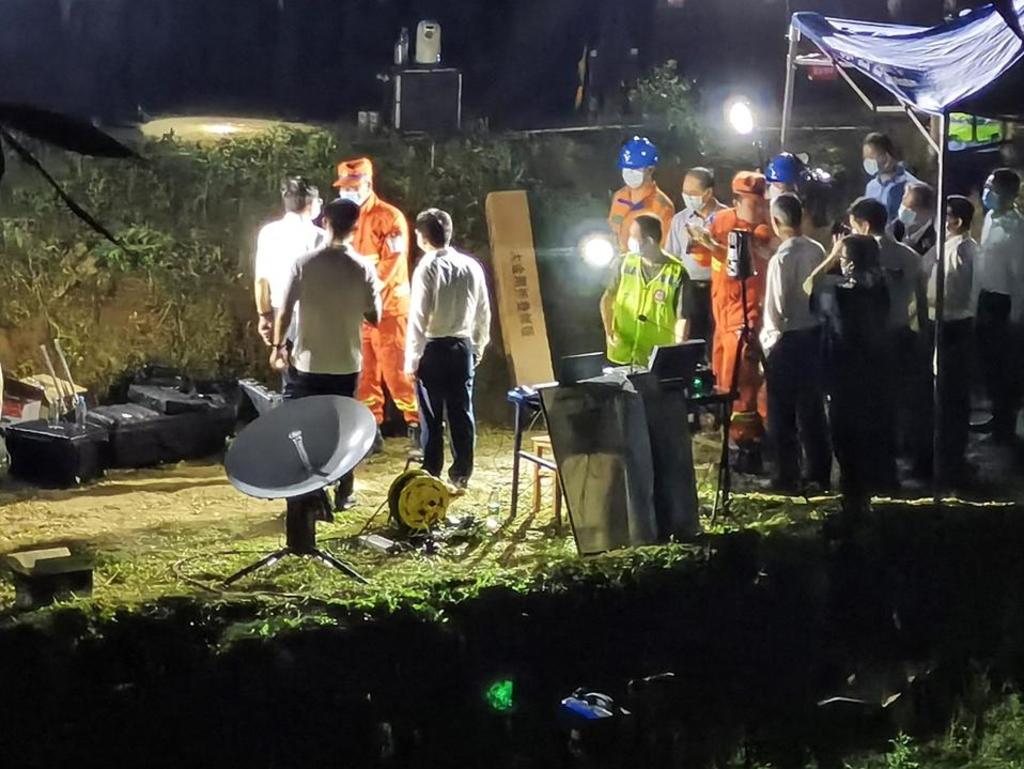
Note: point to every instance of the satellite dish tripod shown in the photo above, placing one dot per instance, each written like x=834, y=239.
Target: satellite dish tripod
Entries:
x=253, y=452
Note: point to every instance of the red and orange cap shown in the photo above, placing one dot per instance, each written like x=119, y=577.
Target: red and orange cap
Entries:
x=749, y=183
x=352, y=172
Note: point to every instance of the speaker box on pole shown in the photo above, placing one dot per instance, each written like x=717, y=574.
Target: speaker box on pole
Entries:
x=427, y=100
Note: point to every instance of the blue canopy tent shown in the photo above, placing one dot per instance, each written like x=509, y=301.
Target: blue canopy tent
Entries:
x=973, y=64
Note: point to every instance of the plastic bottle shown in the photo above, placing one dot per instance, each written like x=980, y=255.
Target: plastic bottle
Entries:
x=402, y=48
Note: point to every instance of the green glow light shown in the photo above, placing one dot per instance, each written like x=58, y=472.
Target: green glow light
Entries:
x=500, y=695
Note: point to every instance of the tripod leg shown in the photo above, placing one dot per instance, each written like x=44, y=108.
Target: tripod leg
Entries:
x=269, y=560
x=338, y=564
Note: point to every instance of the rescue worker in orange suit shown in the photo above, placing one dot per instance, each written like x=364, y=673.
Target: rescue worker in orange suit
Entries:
x=749, y=412
x=637, y=160
x=382, y=236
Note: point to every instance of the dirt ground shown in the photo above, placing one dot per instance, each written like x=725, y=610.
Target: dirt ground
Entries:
x=178, y=530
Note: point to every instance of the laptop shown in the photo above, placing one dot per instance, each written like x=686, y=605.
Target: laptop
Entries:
x=678, y=362
x=577, y=368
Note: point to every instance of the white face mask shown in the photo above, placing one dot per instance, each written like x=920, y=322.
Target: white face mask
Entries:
x=907, y=215
x=694, y=202
x=356, y=196
x=633, y=246
x=774, y=192
x=633, y=177
x=870, y=166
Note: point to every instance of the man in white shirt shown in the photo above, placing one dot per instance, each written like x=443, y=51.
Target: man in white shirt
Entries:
x=449, y=328
x=330, y=292
x=998, y=282
x=961, y=253
x=905, y=279
x=699, y=205
x=280, y=243
x=791, y=340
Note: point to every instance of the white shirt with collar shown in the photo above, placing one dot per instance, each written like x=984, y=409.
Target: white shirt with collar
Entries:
x=449, y=299
x=903, y=275
x=999, y=267
x=278, y=245
x=678, y=243
x=786, y=305
x=961, y=255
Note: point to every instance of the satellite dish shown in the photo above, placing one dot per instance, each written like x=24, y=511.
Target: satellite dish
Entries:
x=300, y=447
x=293, y=452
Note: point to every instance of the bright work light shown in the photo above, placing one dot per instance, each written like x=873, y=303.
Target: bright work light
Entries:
x=597, y=250
x=740, y=116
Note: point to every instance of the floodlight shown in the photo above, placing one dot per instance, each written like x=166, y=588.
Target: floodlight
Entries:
x=740, y=115
x=597, y=250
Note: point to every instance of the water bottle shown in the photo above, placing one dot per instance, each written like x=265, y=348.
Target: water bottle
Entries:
x=402, y=48
x=80, y=411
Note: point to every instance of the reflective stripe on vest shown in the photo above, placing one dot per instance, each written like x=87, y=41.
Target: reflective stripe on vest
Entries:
x=644, y=313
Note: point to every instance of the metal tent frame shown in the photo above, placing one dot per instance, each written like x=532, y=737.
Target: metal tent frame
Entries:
x=794, y=62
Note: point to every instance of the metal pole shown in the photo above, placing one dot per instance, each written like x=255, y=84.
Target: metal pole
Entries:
x=787, y=99
x=940, y=305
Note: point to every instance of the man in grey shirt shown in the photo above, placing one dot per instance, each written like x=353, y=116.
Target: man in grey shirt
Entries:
x=331, y=291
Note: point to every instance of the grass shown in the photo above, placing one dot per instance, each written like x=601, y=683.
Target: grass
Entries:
x=177, y=531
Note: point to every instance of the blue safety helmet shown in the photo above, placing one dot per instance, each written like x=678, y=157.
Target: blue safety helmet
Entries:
x=638, y=153
x=786, y=168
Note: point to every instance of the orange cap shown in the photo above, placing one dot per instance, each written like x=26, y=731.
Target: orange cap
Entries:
x=748, y=183
x=352, y=172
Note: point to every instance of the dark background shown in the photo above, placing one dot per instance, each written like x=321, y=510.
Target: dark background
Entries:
x=318, y=59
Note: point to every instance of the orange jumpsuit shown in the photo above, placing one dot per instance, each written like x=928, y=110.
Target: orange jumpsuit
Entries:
x=382, y=236
x=749, y=410
x=628, y=204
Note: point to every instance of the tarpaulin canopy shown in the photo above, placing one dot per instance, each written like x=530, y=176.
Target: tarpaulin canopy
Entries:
x=974, y=64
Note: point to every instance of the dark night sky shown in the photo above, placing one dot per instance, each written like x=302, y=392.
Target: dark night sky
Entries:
x=319, y=58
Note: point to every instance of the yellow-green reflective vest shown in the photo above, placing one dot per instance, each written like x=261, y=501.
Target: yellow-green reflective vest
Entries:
x=644, y=311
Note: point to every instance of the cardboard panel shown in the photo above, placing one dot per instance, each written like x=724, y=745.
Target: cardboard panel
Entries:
x=517, y=285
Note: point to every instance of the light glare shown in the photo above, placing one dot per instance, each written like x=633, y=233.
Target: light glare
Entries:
x=741, y=117
x=597, y=251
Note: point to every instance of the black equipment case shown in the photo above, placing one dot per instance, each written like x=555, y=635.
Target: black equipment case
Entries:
x=140, y=436
x=171, y=400
x=60, y=455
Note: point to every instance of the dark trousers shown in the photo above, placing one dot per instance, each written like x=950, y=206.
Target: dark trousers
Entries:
x=992, y=326
x=956, y=394
x=444, y=386
x=863, y=437
x=796, y=409
x=299, y=384
x=702, y=326
x=911, y=396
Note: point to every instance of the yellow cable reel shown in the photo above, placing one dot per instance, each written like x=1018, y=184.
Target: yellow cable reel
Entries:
x=417, y=501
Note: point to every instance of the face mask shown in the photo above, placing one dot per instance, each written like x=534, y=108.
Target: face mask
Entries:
x=694, y=202
x=774, y=192
x=633, y=177
x=355, y=196
x=990, y=199
x=633, y=245
x=907, y=215
x=870, y=166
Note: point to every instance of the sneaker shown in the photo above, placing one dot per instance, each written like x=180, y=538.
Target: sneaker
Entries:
x=342, y=504
x=460, y=485
x=415, y=440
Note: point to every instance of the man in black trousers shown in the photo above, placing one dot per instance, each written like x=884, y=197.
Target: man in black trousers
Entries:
x=332, y=290
x=449, y=327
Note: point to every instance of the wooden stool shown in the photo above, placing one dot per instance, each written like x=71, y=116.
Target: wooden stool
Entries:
x=541, y=445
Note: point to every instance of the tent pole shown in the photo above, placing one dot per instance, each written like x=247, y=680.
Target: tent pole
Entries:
x=940, y=305
x=787, y=100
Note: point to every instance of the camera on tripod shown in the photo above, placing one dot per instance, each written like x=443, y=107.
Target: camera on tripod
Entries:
x=739, y=262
